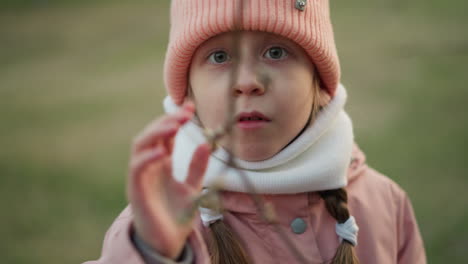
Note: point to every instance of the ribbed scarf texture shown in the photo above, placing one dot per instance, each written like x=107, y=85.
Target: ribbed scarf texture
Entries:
x=316, y=160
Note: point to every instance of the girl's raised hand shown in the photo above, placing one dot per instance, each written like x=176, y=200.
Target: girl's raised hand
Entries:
x=157, y=200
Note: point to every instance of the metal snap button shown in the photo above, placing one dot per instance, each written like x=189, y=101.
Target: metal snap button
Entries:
x=298, y=226
x=301, y=4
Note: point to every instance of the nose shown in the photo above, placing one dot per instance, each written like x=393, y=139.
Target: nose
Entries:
x=249, y=82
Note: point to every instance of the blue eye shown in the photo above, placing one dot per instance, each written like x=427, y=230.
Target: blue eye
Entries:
x=218, y=57
x=276, y=53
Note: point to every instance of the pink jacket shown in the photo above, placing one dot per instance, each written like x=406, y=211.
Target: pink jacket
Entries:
x=388, y=232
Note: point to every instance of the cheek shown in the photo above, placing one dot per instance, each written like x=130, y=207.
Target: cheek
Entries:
x=295, y=85
x=294, y=96
x=210, y=98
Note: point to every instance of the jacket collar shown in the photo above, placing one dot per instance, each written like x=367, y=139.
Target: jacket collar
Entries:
x=357, y=164
x=289, y=204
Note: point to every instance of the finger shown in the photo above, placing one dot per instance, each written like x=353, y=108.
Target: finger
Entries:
x=189, y=106
x=178, y=117
x=198, y=166
x=141, y=161
x=158, y=134
x=160, y=130
x=167, y=166
x=169, y=144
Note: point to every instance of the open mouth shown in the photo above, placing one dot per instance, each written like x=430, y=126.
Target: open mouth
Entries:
x=252, y=116
x=252, y=119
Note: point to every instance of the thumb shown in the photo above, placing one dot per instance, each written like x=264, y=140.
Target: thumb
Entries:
x=198, y=166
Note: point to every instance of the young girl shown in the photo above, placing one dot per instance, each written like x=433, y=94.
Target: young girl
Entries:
x=262, y=76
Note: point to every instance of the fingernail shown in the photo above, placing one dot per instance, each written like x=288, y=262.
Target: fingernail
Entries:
x=189, y=105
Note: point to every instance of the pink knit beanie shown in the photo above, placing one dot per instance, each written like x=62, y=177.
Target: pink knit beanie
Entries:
x=195, y=21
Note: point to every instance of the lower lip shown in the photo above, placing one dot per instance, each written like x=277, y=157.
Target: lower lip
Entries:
x=251, y=124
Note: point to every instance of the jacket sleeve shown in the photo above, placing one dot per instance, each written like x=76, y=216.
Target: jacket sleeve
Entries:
x=118, y=246
x=410, y=244
x=151, y=256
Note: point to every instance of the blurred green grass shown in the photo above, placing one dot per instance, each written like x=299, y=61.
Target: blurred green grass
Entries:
x=79, y=79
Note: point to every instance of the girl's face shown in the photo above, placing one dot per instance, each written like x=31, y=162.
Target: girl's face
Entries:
x=273, y=94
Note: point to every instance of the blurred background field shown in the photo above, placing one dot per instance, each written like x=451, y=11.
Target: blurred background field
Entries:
x=78, y=79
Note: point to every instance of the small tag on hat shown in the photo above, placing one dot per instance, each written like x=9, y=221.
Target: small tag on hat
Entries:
x=301, y=4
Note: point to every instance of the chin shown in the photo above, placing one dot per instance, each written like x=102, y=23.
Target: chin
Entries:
x=254, y=153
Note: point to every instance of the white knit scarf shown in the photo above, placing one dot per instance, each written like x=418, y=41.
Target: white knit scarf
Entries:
x=317, y=160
